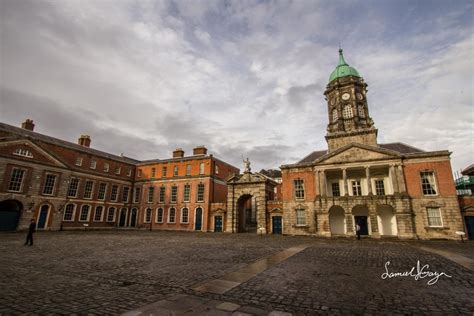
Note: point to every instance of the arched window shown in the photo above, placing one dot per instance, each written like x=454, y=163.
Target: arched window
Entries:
x=172, y=215
x=69, y=211
x=148, y=215
x=98, y=213
x=111, y=214
x=159, y=215
x=84, y=217
x=335, y=116
x=347, y=112
x=185, y=215
x=360, y=108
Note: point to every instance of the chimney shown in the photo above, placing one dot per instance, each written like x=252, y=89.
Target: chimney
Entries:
x=84, y=140
x=199, y=150
x=178, y=153
x=28, y=124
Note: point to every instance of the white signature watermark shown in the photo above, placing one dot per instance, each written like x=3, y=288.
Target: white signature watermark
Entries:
x=418, y=272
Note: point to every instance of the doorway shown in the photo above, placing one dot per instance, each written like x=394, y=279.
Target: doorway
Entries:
x=362, y=222
x=470, y=226
x=198, y=220
x=218, y=223
x=123, y=217
x=42, y=222
x=276, y=225
x=246, y=214
x=133, y=218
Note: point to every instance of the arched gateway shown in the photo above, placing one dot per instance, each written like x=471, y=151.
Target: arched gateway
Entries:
x=10, y=212
x=246, y=202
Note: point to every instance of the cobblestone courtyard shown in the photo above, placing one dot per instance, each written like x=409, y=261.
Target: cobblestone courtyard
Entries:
x=115, y=272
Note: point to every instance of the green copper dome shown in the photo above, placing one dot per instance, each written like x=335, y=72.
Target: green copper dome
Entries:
x=343, y=69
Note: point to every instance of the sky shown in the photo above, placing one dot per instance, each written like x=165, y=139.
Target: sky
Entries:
x=243, y=78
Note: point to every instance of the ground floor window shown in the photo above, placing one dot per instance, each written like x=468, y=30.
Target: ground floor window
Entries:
x=159, y=215
x=69, y=212
x=300, y=217
x=98, y=214
x=434, y=217
x=184, y=215
x=111, y=214
x=172, y=215
x=84, y=217
x=148, y=215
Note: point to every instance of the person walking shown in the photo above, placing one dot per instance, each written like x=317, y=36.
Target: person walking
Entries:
x=358, y=231
x=31, y=230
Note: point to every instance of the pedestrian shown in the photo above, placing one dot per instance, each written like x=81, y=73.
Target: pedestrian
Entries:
x=31, y=230
x=358, y=231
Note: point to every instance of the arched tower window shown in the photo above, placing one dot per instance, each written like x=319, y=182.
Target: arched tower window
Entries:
x=347, y=112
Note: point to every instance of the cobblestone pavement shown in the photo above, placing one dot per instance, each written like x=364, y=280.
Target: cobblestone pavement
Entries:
x=114, y=272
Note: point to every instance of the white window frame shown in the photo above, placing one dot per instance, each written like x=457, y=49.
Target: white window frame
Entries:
x=384, y=186
x=23, y=153
x=300, y=220
x=182, y=215
x=175, y=171
x=125, y=191
x=158, y=215
x=162, y=195
x=93, y=164
x=101, y=213
x=76, y=189
x=116, y=194
x=169, y=215
x=147, y=215
x=108, y=213
x=338, y=188
x=139, y=173
x=53, y=187
x=21, y=182
x=104, y=193
x=73, y=215
x=88, y=213
x=91, y=190
x=136, y=194
x=79, y=161
x=186, y=192
x=297, y=189
x=174, y=194
x=440, y=216
x=153, y=173
x=356, y=184
x=199, y=193
x=201, y=168
x=188, y=169
x=106, y=167
x=434, y=185
x=151, y=194
x=118, y=170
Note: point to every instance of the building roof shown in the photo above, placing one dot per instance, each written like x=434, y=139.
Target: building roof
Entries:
x=398, y=147
x=468, y=171
x=271, y=173
x=343, y=69
x=24, y=133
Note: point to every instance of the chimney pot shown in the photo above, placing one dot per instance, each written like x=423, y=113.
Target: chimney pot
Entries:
x=178, y=153
x=28, y=124
x=84, y=140
x=199, y=150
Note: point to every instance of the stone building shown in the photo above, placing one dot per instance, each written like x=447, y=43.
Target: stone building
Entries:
x=387, y=189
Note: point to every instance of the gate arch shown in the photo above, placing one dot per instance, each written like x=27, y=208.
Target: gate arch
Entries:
x=337, y=220
x=10, y=213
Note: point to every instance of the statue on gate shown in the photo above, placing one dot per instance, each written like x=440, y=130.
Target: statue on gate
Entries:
x=246, y=164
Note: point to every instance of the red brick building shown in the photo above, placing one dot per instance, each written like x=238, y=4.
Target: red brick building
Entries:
x=63, y=185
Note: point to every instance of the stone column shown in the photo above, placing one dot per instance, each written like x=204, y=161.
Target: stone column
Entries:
x=401, y=179
x=324, y=183
x=261, y=212
x=369, y=181
x=393, y=179
x=349, y=224
x=344, y=180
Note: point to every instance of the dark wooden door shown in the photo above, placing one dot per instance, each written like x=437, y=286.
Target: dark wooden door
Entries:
x=362, y=221
x=43, y=217
x=276, y=225
x=198, y=222
x=218, y=224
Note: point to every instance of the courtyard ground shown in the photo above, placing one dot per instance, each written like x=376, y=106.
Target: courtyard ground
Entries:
x=115, y=272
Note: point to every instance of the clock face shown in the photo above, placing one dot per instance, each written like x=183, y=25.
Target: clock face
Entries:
x=346, y=96
x=360, y=96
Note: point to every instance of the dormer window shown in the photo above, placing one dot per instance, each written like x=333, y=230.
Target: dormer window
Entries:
x=23, y=152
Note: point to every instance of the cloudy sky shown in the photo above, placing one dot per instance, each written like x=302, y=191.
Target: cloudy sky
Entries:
x=241, y=77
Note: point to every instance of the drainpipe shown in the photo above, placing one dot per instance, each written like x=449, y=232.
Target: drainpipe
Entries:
x=233, y=215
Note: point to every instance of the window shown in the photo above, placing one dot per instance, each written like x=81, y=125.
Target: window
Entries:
x=172, y=215
x=200, y=193
x=136, y=197
x=102, y=191
x=335, y=116
x=335, y=189
x=49, y=183
x=79, y=161
x=188, y=170
x=186, y=192
x=139, y=173
x=88, y=189
x=125, y=193
x=106, y=167
x=84, y=217
x=201, y=168
x=151, y=192
x=16, y=180
x=174, y=194
x=163, y=172
x=93, y=164
x=434, y=217
x=361, y=111
x=153, y=172
x=347, y=112
x=111, y=214
x=379, y=187
x=159, y=215
x=129, y=172
x=73, y=186
x=299, y=189
x=300, y=217
x=148, y=215
x=162, y=195
x=356, y=188
x=185, y=215
x=428, y=183
x=217, y=169
x=175, y=171
x=69, y=212
x=118, y=170
x=114, y=193
x=23, y=152
x=98, y=213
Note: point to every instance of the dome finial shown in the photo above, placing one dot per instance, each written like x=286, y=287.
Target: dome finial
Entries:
x=341, y=57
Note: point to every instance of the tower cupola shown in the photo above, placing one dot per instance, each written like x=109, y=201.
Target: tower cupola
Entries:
x=343, y=69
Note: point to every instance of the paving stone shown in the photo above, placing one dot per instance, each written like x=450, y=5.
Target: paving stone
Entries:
x=227, y=306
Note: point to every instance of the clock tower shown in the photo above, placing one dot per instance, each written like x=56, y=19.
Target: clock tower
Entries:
x=349, y=120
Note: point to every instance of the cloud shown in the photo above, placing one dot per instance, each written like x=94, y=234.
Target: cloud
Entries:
x=241, y=77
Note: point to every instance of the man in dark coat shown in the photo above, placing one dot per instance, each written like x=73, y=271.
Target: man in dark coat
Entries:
x=31, y=230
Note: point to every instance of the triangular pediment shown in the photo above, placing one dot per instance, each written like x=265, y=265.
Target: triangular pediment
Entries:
x=26, y=150
x=358, y=152
x=248, y=178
